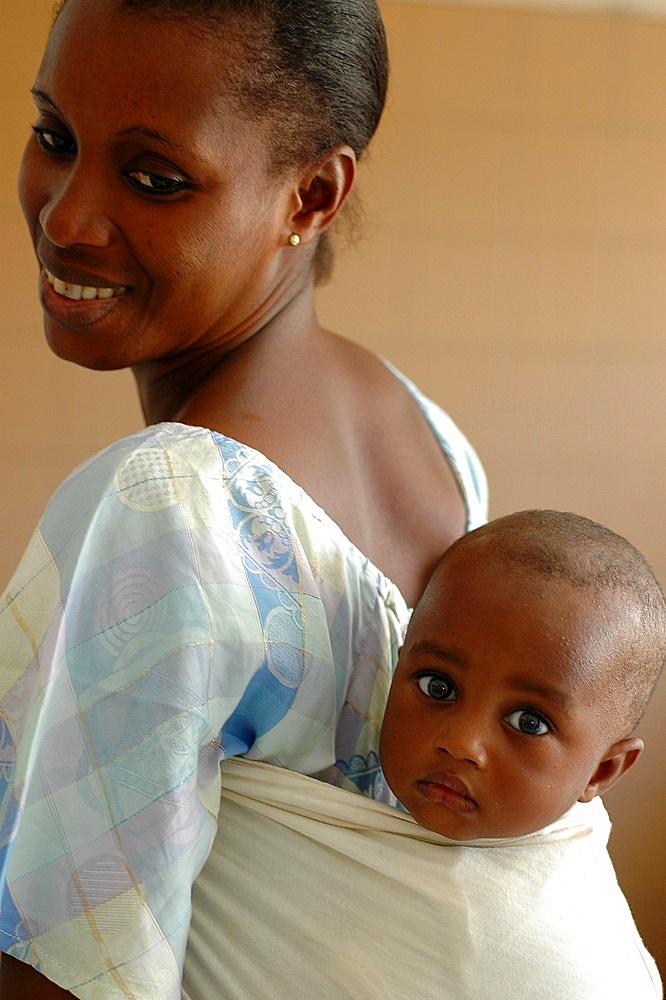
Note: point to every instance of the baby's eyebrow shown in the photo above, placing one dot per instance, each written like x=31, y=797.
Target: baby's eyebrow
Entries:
x=556, y=695
x=428, y=648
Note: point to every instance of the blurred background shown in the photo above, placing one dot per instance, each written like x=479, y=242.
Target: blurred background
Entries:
x=512, y=263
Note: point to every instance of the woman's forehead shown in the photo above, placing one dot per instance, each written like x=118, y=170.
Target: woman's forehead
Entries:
x=138, y=59
x=126, y=31
x=110, y=73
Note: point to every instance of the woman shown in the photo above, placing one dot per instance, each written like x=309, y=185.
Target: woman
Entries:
x=235, y=579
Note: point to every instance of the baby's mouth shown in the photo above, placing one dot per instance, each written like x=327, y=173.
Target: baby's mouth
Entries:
x=443, y=782
x=69, y=290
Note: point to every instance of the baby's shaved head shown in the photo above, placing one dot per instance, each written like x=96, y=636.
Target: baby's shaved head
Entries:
x=561, y=546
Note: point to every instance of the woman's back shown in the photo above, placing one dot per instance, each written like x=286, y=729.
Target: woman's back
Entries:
x=344, y=427
x=183, y=600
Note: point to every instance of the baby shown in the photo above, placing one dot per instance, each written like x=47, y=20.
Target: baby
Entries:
x=526, y=667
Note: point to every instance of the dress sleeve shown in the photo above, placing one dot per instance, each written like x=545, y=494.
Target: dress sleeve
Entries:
x=175, y=606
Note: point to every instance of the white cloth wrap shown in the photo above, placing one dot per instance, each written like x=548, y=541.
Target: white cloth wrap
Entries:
x=331, y=896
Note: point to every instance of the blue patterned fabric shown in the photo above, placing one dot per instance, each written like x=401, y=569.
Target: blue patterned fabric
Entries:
x=181, y=601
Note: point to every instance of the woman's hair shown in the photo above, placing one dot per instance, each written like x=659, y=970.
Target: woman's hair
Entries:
x=314, y=72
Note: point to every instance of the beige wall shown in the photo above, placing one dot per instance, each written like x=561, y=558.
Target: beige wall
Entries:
x=514, y=265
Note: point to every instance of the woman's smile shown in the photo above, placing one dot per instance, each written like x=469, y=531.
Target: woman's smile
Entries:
x=155, y=214
x=73, y=291
x=75, y=306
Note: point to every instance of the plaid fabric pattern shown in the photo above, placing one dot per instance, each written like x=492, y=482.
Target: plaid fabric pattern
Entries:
x=181, y=601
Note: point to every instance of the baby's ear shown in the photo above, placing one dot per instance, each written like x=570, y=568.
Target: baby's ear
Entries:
x=615, y=762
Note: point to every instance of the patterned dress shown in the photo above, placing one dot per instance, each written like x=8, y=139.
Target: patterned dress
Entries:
x=182, y=601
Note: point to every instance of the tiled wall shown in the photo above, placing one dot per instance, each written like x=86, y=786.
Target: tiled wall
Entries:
x=514, y=264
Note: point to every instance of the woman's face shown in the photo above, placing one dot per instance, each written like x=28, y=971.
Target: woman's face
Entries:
x=157, y=223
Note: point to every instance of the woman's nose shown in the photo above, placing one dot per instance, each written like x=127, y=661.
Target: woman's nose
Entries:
x=465, y=737
x=74, y=212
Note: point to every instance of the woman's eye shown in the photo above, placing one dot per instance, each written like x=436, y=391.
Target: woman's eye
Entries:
x=528, y=722
x=52, y=141
x=156, y=183
x=437, y=686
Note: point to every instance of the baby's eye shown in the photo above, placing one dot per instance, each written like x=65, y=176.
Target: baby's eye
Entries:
x=52, y=141
x=156, y=183
x=529, y=722
x=437, y=686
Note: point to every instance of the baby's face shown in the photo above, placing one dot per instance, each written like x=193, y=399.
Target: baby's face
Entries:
x=497, y=719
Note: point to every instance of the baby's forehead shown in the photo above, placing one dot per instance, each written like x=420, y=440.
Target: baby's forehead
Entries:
x=485, y=557
x=596, y=623
x=573, y=572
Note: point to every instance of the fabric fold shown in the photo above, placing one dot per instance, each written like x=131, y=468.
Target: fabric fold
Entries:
x=334, y=896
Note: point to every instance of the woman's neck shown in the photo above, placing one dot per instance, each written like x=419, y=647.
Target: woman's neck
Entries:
x=200, y=385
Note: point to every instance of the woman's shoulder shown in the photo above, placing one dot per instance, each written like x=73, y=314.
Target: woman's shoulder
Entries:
x=171, y=488
x=169, y=465
x=164, y=465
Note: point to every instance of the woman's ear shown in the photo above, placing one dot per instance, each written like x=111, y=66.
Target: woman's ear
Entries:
x=322, y=191
x=614, y=764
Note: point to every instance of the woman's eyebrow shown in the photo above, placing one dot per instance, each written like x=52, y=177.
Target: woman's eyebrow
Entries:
x=146, y=132
x=41, y=95
x=138, y=131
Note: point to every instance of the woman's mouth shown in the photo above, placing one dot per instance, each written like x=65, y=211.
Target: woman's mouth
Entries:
x=77, y=306
x=70, y=290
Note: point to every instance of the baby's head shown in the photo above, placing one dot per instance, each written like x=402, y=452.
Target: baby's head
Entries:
x=526, y=667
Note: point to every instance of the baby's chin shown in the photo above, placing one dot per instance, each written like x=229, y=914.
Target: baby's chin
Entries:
x=473, y=828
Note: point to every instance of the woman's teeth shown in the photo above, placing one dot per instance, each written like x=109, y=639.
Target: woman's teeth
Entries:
x=76, y=292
